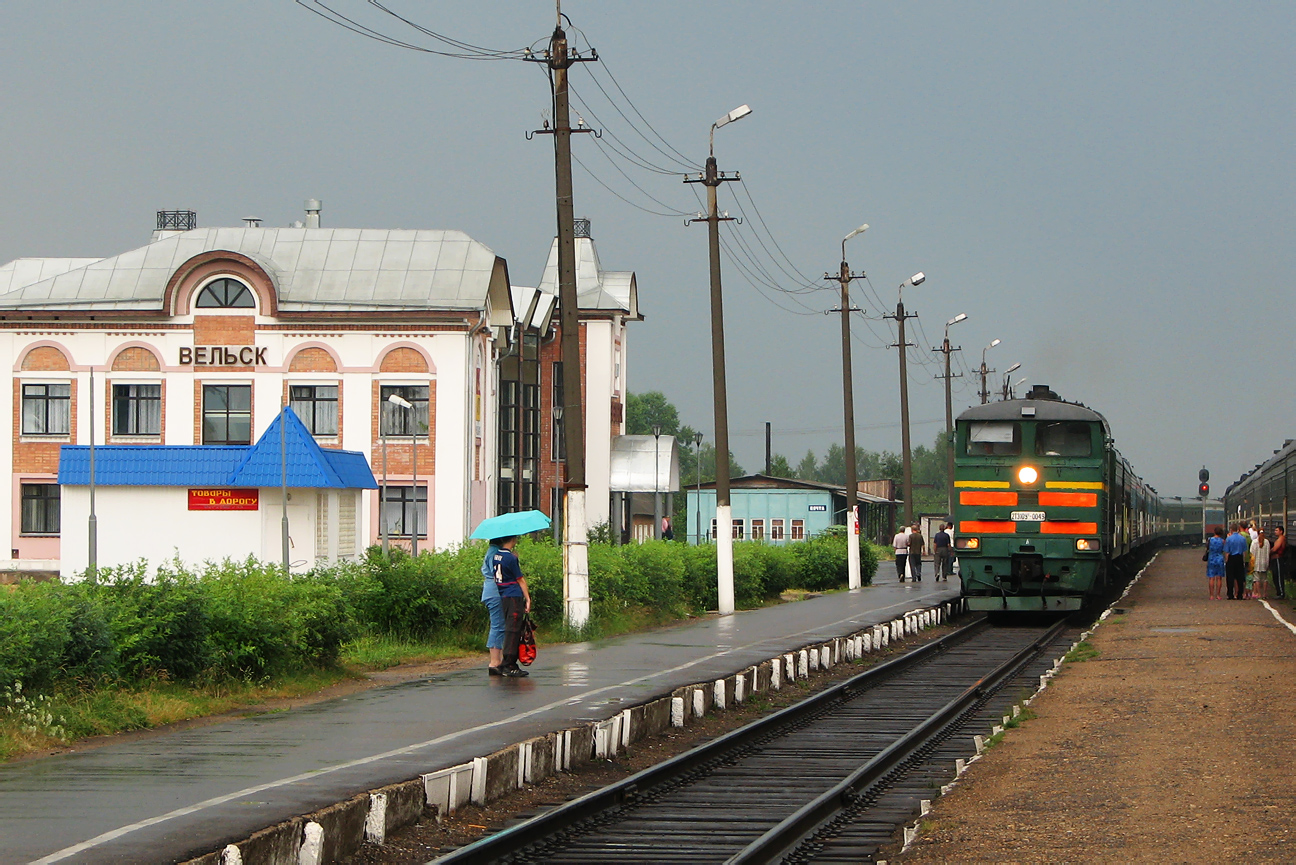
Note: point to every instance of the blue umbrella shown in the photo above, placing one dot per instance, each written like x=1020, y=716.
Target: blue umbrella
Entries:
x=506, y=525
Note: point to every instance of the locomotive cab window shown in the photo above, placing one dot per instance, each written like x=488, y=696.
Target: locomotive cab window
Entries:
x=994, y=439
x=1063, y=439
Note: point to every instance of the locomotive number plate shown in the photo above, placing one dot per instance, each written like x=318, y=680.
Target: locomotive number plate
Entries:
x=1028, y=516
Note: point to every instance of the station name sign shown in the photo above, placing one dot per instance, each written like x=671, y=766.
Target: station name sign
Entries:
x=224, y=499
x=222, y=355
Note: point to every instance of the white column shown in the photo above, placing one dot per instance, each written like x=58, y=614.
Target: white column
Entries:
x=576, y=597
x=852, y=549
x=724, y=558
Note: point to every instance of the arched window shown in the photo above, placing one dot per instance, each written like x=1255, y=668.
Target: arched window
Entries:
x=226, y=294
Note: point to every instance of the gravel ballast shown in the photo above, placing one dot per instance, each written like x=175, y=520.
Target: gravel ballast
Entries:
x=1173, y=743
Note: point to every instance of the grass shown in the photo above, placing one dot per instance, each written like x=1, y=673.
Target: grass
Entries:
x=1083, y=651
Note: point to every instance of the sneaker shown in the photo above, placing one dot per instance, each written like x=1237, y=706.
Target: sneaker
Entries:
x=514, y=673
x=494, y=671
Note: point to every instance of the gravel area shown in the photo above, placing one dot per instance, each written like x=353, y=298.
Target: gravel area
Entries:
x=1173, y=743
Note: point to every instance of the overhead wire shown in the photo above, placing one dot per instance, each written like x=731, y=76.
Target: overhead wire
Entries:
x=328, y=13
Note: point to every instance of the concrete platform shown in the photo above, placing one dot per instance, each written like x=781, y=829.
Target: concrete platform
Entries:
x=169, y=798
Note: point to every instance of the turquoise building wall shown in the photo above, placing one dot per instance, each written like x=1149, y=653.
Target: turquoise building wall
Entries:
x=815, y=507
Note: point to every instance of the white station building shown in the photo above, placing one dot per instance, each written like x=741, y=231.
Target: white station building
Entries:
x=200, y=336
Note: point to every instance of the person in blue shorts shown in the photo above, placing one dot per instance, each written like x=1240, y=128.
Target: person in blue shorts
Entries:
x=515, y=602
x=1215, y=565
x=491, y=598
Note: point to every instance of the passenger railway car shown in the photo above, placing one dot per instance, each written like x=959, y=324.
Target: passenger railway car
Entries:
x=1045, y=506
x=1264, y=494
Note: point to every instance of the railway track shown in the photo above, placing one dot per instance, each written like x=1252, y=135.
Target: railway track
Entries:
x=827, y=779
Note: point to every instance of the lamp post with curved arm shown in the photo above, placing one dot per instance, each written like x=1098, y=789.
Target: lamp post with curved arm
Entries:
x=985, y=392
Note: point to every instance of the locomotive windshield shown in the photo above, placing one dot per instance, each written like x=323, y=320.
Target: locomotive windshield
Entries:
x=994, y=439
x=1063, y=439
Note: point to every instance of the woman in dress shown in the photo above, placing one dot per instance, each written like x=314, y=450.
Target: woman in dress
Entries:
x=1215, y=564
x=1260, y=560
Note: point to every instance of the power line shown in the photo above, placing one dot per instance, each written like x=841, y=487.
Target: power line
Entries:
x=467, y=52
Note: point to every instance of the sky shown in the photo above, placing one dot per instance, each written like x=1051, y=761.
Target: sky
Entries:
x=1103, y=187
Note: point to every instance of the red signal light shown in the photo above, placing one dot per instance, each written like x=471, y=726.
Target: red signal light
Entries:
x=1203, y=489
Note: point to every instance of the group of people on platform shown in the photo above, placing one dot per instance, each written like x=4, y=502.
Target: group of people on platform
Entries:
x=1239, y=565
x=909, y=546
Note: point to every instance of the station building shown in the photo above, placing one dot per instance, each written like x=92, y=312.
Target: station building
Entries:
x=200, y=336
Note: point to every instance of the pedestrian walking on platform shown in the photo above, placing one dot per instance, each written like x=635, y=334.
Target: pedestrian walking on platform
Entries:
x=916, y=549
x=515, y=602
x=1215, y=564
x=1276, y=563
x=1235, y=562
x=901, y=544
x=943, y=552
x=1260, y=565
x=491, y=598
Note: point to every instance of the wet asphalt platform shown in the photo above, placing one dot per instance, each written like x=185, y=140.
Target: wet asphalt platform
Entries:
x=171, y=797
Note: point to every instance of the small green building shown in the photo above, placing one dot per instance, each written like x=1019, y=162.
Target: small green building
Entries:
x=779, y=510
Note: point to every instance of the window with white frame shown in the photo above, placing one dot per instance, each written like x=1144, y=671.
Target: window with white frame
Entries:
x=226, y=293
x=776, y=529
x=737, y=530
x=46, y=409
x=758, y=530
x=137, y=409
x=317, y=406
x=798, y=530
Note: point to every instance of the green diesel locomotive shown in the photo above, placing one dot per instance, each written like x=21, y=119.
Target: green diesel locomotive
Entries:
x=1045, y=507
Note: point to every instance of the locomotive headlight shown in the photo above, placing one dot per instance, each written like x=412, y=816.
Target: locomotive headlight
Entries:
x=1027, y=474
x=966, y=543
x=1088, y=545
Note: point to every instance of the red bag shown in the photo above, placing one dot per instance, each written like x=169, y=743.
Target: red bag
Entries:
x=526, y=642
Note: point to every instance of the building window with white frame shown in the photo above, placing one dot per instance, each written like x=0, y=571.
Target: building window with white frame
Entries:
x=402, y=506
x=227, y=414
x=46, y=409
x=758, y=530
x=137, y=409
x=737, y=530
x=226, y=293
x=798, y=530
x=776, y=529
x=396, y=420
x=41, y=509
x=317, y=406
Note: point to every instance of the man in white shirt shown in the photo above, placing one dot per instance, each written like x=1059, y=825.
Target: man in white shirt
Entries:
x=901, y=545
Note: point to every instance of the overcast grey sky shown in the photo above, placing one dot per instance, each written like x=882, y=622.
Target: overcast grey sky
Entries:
x=1105, y=187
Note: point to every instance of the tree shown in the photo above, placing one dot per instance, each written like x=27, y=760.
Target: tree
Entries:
x=808, y=467
x=779, y=467
x=645, y=410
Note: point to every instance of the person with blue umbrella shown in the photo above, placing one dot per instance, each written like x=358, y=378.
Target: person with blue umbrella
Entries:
x=515, y=602
x=491, y=598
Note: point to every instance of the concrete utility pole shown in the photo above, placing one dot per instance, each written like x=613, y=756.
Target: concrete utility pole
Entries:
x=92, y=525
x=900, y=317
x=576, y=598
x=712, y=178
x=947, y=350
x=985, y=391
x=844, y=278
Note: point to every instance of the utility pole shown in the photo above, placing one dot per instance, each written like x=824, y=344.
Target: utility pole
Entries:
x=576, y=598
x=711, y=178
x=946, y=349
x=769, y=450
x=92, y=548
x=843, y=279
x=899, y=318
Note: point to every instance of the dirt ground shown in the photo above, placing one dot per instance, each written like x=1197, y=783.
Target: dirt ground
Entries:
x=1173, y=744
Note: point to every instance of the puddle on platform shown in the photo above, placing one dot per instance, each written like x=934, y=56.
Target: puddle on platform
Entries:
x=1174, y=630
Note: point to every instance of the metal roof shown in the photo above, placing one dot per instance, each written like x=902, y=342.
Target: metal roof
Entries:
x=312, y=269
x=596, y=288
x=258, y=465
x=1045, y=409
x=644, y=464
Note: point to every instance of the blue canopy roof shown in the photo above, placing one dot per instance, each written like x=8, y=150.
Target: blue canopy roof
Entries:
x=258, y=465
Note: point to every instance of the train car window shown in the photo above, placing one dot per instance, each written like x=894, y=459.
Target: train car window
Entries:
x=1063, y=439
x=994, y=439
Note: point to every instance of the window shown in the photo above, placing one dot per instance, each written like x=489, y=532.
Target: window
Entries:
x=46, y=409
x=40, y=509
x=737, y=530
x=798, y=530
x=137, y=409
x=397, y=420
x=758, y=530
x=776, y=530
x=714, y=529
x=1063, y=439
x=317, y=406
x=227, y=414
x=226, y=294
x=400, y=509
x=994, y=439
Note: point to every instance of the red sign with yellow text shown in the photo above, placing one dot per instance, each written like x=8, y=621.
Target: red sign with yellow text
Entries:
x=224, y=499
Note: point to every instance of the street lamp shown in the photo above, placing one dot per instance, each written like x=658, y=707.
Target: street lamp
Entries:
x=848, y=406
x=697, y=501
x=400, y=401
x=947, y=350
x=657, y=510
x=913, y=281
x=985, y=394
x=711, y=178
x=1008, y=374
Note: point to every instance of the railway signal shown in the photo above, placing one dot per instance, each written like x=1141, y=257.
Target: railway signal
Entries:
x=1203, y=489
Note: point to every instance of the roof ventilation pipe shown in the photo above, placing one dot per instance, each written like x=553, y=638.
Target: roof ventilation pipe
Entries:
x=1041, y=391
x=313, y=208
